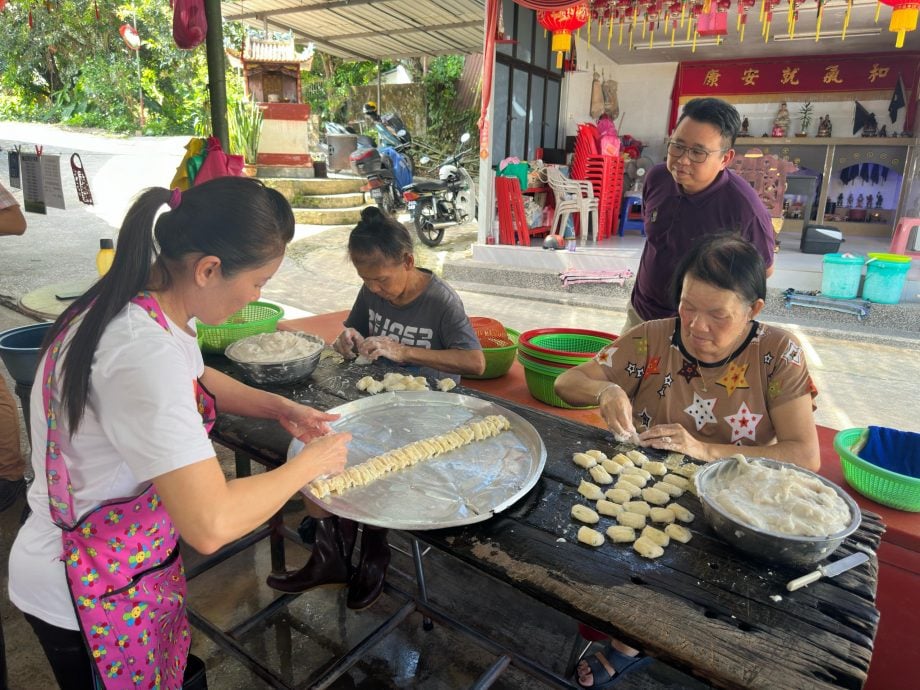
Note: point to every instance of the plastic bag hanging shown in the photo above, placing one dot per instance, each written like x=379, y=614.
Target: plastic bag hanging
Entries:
x=190, y=26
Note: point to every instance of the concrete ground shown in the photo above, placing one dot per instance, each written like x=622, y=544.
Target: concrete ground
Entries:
x=863, y=380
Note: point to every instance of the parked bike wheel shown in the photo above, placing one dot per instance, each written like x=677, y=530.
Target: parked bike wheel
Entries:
x=385, y=203
x=425, y=214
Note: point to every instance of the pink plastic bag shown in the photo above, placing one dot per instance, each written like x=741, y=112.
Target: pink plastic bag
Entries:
x=190, y=26
x=217, y=163
x=610, y=142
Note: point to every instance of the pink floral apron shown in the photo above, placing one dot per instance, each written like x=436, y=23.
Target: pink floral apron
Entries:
x=122, y=561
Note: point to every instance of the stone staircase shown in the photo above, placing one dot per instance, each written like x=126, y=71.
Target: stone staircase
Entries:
x=322, y=201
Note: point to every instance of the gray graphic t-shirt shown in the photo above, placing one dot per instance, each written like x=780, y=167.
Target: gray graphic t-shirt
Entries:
x=435, y=320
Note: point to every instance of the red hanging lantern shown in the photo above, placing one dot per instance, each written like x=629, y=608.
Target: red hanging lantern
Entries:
x=903, y=17
x=130, y=37
x=562, y=23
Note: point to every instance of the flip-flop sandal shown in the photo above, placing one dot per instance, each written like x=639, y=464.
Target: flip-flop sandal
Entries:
x=608, y=666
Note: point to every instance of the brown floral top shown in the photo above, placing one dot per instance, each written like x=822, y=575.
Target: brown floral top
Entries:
x=729, y=402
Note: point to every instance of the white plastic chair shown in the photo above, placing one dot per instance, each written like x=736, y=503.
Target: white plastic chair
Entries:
x=573, y=196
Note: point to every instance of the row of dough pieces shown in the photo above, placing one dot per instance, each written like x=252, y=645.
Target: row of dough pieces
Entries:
x=393, y=381
x=410, y=454
x=635, y=470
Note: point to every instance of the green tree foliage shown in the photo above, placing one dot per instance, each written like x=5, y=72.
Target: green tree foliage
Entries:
x=327, y=86
x=445, y=122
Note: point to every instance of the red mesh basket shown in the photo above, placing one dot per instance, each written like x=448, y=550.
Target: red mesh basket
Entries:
x=490, y=341
x=484, y=327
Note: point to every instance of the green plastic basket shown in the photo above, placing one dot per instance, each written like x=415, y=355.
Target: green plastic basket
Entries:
x=254, y=318
x=540, y=379
x=881, y=485
x=565, y=346
x=499, y=359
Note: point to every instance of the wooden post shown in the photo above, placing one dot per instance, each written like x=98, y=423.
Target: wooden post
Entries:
x=217, y=86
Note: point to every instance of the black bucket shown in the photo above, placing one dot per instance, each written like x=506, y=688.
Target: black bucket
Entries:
x=195, y=677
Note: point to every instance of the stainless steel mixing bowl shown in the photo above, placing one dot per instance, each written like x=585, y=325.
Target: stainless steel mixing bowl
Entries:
x=773, y=547
x=276, y=373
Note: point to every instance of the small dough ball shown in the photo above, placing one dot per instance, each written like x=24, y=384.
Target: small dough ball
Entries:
x=590, y=491
x=632, y=489
x=678, y=533
x=633, y=520
x=617, y=495
x=635, y=479
x=584, y=514
x=680, y=512
x=656, y=496
x=646, y=548
x=638, y=457
x=600, y=475
x=677, y=480
x=621, y=534
x=591, y=537
x=444, y=385
x=596, y=454
x=605, y=507
x=584, y=460
x=611, y=467
x=665, y=515
x=671, y=490
x=656, y=535
x=364, y=382
x=657, y=468
x=674, y=460
x=640, y=507
x=375, y=387
x=621, y=459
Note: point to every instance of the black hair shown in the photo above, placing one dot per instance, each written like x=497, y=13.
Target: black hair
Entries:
x=716, y=112
x=726, y=261
x=378, y=232
x=237, y=219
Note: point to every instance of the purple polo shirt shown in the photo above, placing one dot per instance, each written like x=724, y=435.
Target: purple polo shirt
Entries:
x=675, y=221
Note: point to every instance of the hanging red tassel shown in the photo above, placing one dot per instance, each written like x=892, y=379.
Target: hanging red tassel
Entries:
x=96, y=10
x=2, y=5
x=31, y=22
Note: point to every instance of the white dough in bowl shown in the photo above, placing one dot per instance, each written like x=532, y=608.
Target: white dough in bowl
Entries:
x=280, y=346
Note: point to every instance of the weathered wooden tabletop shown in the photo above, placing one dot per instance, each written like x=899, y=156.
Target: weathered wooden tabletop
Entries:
x=702, y=607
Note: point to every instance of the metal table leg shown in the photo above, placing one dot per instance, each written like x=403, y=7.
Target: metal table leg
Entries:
x=420, y=578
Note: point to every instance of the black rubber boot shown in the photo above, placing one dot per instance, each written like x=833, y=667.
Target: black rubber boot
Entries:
x=367, y=582
x=330, y=562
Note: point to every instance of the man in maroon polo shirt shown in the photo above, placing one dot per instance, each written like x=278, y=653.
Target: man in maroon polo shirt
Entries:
x=691, y=195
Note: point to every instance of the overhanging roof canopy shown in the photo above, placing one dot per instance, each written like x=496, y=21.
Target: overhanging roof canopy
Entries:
x=370, y=29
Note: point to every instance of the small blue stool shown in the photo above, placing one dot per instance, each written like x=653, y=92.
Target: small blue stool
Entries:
x=632, y=206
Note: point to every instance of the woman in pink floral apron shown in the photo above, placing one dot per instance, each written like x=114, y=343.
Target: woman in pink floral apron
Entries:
x=120, y=416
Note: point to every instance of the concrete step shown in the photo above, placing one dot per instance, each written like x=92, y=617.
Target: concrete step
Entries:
x=328, y=216
x=292, y=187
x=328, y=201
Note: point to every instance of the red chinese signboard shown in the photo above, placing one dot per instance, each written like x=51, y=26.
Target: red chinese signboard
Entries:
x=805, y=77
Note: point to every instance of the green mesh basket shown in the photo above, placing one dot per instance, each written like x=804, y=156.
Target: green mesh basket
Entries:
x=540, y=379
x=564, y=345
x=881, y=485
x=498, y=359
x=254, y=318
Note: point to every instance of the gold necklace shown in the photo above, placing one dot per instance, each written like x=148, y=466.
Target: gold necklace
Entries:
x=718, y=365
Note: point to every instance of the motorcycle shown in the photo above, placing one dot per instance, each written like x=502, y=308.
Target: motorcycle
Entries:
x=449, y=200
x=387, y=173
x=391, y=131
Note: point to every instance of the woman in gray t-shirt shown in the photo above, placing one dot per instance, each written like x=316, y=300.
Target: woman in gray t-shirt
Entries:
x=409, y=316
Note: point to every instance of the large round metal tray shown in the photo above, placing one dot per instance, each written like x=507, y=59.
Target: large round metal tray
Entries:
x=466, y=485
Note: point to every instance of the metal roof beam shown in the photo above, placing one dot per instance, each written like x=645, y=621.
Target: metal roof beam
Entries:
x=410, y=29
x=300, y=9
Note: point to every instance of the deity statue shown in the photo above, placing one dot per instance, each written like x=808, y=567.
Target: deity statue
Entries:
x=859, y=200
x=850, y=200
x=840, y=200
x=824, y=126
x=878, y=200
x=781, y=121
x=744, y=128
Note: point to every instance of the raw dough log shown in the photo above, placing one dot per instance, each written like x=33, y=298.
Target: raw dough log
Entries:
x=674, y=460
x=617, y=495
x=646, y=548
x=686, y=470
x=657, y=468
x=393, y=381
x=632, y=489
x=611, y=466
x=399, y=458
x=590, y=491
x=600, y=475
x=605, y=507
x=665, y=515
x=634, y=479
x=656, y=535
x=677, y=480
x=621, y=534
x=584, y=460
x=596, y=454
x=640, y=507
x=584, y=514
x=633, y=520
x=591, y=537
x=638, y=471
x=445, y=385
x=671, y=490
x=678, y=533
x=638, y=457
x=680, y=512
x=656, y=496
x=621, y=459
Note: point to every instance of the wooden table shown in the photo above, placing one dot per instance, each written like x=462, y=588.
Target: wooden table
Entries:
x=702, y=607
x=48, y=302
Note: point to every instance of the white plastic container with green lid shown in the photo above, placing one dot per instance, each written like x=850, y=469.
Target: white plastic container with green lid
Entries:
x=886, y=275
x=840, y=275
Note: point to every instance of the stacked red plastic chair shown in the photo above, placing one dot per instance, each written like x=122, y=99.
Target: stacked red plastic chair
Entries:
x=512, y=221
x=605, y=174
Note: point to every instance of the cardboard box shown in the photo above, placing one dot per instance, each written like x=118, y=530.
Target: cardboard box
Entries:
x=820, y=239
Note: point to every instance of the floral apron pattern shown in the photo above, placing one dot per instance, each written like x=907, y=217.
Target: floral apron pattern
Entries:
x=124, y=571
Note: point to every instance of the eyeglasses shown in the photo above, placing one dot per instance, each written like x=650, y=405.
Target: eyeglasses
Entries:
x=695, y=155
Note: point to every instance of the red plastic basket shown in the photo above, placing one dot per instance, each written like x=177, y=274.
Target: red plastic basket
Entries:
x=486, y=327
x=564, y=345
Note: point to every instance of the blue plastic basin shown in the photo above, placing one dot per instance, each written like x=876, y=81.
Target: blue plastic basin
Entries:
x=19, y=348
